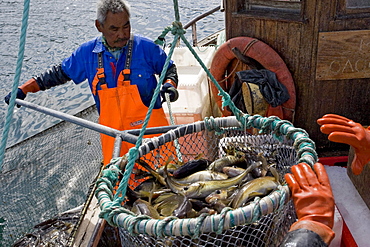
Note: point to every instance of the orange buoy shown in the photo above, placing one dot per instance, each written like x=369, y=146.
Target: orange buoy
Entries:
x=268, y=58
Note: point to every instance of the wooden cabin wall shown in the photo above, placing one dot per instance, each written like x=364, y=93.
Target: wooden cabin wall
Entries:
x=296, y=41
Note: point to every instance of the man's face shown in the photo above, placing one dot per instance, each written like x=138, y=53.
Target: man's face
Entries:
x=116, y=29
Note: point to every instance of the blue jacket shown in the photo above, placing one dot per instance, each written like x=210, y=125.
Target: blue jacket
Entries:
x=147, y=61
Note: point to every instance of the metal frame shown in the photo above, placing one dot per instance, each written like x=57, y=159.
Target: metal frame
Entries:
x=130, y=136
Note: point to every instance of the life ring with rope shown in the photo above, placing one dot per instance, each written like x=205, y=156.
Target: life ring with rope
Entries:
x=265, y=56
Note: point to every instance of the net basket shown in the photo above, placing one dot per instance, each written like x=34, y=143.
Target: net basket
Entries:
x=262, y=222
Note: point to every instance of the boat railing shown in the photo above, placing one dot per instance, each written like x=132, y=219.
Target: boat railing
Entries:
x=130, y=136
x=193, y=22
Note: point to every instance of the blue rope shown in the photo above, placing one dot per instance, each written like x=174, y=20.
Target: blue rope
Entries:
x=9, y=114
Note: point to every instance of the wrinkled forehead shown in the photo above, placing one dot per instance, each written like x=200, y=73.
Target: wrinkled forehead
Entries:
x=117, y=19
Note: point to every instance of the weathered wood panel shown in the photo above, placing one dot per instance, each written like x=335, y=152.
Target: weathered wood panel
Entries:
x=343, y=55
x=297, y=41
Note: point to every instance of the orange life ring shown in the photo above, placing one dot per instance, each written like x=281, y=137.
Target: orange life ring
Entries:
x=267, y=57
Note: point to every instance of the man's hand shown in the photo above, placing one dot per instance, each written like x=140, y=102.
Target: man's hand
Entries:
x=29, y=86
x=171, y=90
x=313, y=199
x=20, y=95
x=343, y=130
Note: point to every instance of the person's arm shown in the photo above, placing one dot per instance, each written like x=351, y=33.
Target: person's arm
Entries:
x=314, y=204
x=170, y=84
x=50, y=78
x=172, y=75
x=343, y=130
x=303, y=238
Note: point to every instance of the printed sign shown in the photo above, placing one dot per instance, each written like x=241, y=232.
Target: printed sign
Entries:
x=343, y=55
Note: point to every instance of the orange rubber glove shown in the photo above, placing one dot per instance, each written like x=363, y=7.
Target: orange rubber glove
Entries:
x=343, y=130
x=313, y=200
x=30, y=86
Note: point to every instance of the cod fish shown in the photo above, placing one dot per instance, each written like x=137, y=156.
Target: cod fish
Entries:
x=204, y=188
x=52, y=232
x=142, y=207
x=202, y=176
x=224, y=195
x=173, y=204
x=155, y=174
x=228, y=160
x=190, y=167
x=257, y=187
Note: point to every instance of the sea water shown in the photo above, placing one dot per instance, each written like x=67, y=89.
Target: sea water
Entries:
x=55, y=29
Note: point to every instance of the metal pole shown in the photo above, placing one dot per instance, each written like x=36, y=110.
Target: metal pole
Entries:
x=126, y=135
x=69, y=118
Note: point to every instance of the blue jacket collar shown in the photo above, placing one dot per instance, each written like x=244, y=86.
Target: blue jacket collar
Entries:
x=99, y=47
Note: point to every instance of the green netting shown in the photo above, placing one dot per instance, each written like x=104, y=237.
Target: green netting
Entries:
x=46, y=175
x=285, y=144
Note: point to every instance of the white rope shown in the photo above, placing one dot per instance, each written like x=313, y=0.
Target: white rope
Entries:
x=172, y=122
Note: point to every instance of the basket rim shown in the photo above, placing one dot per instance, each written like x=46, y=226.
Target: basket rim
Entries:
x=173, y=226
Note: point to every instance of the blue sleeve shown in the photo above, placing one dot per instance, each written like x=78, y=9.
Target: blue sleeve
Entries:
x=82, y=64
x=161, y=62
x=51, y=78
x=157, y=58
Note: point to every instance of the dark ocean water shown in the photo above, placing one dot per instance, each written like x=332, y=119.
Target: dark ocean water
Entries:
x=55, y=29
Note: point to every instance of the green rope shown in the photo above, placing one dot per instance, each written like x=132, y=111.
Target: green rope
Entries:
x=176, y=30
x=133, y=152
x=163, y=223
x=199, y=224
x=210, y=125
x=223, y=213
x=161, y=38
x=283, y=197
x=279, y=129
x=136, y=220
x=18, y=70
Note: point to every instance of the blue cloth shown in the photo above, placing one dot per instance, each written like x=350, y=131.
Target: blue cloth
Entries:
x=148, y=60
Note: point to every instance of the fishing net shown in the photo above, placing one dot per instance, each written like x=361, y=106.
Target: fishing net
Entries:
x=45, y=175
x=262, y=222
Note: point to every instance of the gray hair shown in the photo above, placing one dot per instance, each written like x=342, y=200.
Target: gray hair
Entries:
x=114, y=6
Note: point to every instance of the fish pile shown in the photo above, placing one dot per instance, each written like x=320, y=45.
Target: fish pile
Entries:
x=186, y=190
x=56, y=231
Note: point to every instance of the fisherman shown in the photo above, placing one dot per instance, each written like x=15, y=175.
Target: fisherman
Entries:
x=120, y=68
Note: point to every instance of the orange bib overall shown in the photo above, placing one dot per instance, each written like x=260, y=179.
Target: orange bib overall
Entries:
x=121, y=108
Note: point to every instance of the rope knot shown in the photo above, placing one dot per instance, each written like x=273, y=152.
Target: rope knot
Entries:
x=177, y=28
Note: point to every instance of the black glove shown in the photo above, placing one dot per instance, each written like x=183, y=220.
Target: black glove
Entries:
x=20, y=95
x=171, y=90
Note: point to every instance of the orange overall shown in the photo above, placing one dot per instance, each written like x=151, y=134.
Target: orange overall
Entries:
x=121, y=108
